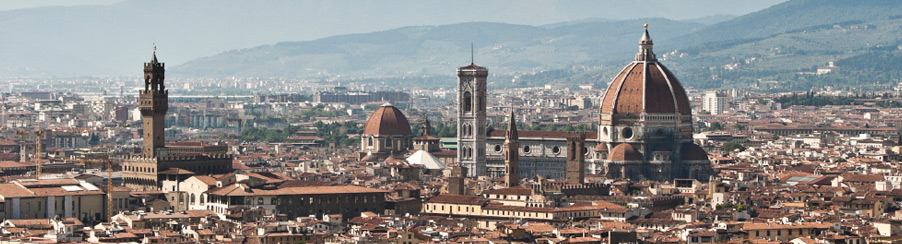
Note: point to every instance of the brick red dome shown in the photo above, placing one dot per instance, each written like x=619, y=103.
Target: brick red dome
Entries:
x=645, y=86
x=601, y=147
x=387, y=120
x=692, y=152
x=624, y=152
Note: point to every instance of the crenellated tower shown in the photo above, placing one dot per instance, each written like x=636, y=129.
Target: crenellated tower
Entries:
x=576, y=158
x=154, y=103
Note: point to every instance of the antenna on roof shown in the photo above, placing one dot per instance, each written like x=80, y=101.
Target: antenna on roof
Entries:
x=471, y=54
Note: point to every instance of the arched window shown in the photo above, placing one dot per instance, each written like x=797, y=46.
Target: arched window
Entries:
x=467, y=102
x=480, y=104
x=260, y=200
x=192, y=198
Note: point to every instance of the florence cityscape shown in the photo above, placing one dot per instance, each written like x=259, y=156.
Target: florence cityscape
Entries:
x=470, y=122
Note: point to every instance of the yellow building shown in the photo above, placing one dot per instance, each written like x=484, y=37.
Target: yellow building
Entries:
x=784, y=232
x=490, y=213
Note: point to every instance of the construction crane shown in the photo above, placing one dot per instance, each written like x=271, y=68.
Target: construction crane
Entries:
x=37, y=150
x=109, y=184
x=109, y=190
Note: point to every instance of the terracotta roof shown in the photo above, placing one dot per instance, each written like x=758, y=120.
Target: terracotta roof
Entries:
x=601, y=147
x=770, y=226
x=47, y=182
x=387, y=120
x=472, y=200
x=176, y=171
x=242, y=190
x=210, y=181
x=690, y=151
x=624, y=152
x=12, y=164
x=518, y=190
x=862, y=178
x=187, y=144
x=473, y=66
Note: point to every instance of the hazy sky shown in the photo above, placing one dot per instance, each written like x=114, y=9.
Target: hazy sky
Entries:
x=18, y=4
x=673, y=9
x=51, y=35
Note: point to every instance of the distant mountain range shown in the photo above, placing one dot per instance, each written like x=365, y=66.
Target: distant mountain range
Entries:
x=772, y=49
x=437, y=50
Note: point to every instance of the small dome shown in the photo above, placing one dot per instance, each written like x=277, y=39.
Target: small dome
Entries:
x=692, y=152
x=387, y=120
x=601, y=147
x=625, y=152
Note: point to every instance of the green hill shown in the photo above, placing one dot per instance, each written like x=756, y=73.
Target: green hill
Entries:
x=778, y=48
x=436, y=50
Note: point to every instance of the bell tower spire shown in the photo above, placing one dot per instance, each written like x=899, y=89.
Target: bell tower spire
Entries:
x=512, y=153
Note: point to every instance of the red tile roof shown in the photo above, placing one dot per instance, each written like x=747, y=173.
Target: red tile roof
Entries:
x=624, y=152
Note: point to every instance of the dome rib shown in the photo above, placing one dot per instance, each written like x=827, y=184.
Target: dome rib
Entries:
x=625, y=152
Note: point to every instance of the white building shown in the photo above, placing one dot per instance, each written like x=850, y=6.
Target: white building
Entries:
x=714, y=102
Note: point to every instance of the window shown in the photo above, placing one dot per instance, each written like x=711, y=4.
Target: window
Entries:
x=467, y=102
x=526, y=149
x=480, y=105
x=556, y=150
x=627, y=133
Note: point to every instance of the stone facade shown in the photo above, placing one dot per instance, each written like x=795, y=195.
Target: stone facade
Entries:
x=645, y=125
x=471, y=122
x=142, y=172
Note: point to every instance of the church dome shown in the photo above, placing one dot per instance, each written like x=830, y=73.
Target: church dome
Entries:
x=692, y=152
x=601, y=147
x=624, y=152
x=645, y=86
x=387, y=120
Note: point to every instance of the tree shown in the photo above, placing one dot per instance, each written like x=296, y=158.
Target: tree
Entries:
x=715, y=126
x=732, y=146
